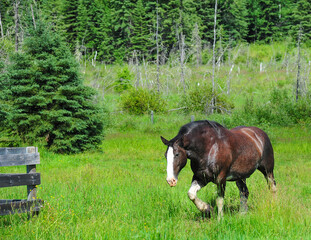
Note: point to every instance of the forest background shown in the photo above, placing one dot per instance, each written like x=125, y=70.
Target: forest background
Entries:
x=114, y=29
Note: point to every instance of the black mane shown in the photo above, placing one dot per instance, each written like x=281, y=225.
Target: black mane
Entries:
x=187, y=128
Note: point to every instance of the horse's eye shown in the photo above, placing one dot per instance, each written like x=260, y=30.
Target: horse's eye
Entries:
x=177, y=154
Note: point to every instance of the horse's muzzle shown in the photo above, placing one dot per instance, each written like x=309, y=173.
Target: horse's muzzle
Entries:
x=172, y=182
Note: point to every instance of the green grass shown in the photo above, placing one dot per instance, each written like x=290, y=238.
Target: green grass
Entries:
x=121, y=193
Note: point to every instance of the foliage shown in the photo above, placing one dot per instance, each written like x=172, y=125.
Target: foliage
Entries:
x=140, y=101
x=199, y=99
x=46, y=98
x=114, y=29
x=123, y=82
x=280, y=110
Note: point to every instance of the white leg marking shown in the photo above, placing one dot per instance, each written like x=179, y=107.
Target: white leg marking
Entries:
x=272, y=184
x=220, y=205
x=170, y=162
x=192, y=194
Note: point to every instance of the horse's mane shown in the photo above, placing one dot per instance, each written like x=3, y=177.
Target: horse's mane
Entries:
x=187, y=128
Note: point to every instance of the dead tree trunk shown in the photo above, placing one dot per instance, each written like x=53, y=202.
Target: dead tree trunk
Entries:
x=213, y=74
x=16, y=19
x=298, y=66
x=33, y=17
x=158, y=50
x=197, y=44
x=182, y=60
x=1, y=27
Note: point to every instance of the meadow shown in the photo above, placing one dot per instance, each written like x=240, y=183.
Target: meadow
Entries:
x=120, y=191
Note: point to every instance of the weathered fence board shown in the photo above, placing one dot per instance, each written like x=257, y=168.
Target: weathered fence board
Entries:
x=30, y=157
x=19, y=179
x=19, y=159
x=19, y=206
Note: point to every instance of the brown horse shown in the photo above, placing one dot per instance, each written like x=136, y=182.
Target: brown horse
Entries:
x=218, y=155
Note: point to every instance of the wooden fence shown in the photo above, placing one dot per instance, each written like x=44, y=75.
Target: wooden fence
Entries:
x=30, y=157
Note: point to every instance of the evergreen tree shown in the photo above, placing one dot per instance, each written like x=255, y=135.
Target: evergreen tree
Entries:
x=106, y=45
x=47, y=98
x=121, y=19
x=89, y=23
x=233, y=18
x=301, y=18
x=70, y=20
x=206, y=10
x=141, y=34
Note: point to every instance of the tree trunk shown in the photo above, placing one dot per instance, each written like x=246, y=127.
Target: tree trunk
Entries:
x=182, y=60
x=298, y=67
x=16, y=19
x=157, y=43
x=213, y=74
x=33, y=17
x=1, y=27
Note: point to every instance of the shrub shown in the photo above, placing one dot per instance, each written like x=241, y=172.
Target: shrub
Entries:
x=123, y=81
x=199, y=97
x=140, y=101
x=280, y=110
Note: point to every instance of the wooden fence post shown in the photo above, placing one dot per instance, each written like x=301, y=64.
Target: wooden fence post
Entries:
x=152, y=117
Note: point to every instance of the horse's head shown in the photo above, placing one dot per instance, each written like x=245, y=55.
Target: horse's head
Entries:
x=176, y=157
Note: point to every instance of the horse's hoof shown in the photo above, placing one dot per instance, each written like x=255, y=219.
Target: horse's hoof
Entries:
x=207, y=212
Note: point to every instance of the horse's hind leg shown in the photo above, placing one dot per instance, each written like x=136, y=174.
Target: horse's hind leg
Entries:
x=269, y=177
x=241, y=184
x=271, y=182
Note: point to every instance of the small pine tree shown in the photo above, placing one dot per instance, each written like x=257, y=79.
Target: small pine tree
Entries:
x=47, y=98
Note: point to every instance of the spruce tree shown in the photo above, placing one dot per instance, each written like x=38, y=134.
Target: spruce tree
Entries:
x=141, y=33
x=301, y=18
x=47, y=98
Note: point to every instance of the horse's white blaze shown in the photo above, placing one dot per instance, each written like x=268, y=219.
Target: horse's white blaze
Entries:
x=170, y=162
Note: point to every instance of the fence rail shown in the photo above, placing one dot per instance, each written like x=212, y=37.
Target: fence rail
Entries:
x=30, y=157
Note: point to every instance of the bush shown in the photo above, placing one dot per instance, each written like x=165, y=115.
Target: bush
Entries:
x=140, y=101
x=199, y=97
x=123, y=81
x=280, y=110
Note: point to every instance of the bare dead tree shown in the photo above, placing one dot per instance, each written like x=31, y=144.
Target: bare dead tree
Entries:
x=182, y=60
x=138, y=75
x=16, y=19
x=229, y=79
x=33, y=17
x=298, y=65
x=158, y=50
x=1, y=27
x=213, y=103
x=197, y=45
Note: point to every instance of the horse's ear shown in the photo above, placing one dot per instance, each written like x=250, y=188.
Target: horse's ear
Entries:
x=164, y=141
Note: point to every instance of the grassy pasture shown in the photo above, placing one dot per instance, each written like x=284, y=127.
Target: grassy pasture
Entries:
x=121, y=193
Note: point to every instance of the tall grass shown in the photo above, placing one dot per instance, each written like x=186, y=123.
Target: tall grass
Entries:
x=121, y=193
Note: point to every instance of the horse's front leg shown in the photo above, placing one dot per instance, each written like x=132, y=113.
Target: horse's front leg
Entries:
x=221, y=186
x=192, y=194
